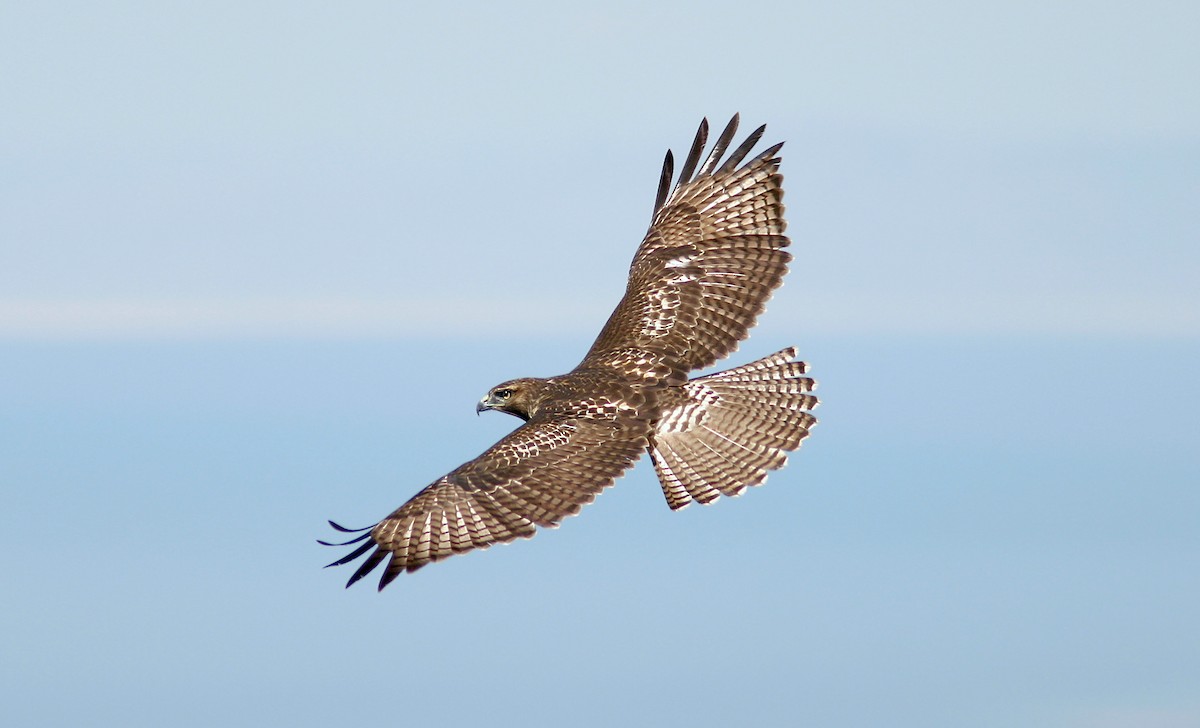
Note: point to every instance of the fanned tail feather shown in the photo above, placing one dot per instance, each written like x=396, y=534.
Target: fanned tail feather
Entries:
x=724, y=432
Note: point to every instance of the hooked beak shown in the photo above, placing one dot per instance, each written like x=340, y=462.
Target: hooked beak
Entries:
x=483, y=405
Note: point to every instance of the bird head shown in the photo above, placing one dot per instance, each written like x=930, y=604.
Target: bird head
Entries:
x=517, y=397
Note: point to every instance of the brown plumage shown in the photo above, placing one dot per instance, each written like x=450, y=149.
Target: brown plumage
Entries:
x=712, y=257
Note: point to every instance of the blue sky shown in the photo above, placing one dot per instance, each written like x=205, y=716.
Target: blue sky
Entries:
x=258, y=261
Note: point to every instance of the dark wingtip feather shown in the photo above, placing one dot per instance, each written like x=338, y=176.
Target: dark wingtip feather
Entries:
x=352, y=555
x=719, y=148
x=364, y=534
x=343, y=529
x=693, y=157
x=740, y=153
x=388, y=576
x=367, y=566
x=711, y=162
x=356, y=539
x=770, y=152
x=664, y=181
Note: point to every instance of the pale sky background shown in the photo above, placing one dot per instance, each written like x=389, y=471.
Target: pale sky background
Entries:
x=259, y=260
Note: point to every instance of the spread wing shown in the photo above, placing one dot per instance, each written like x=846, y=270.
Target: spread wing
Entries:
x=538, y=475
x=711, y=259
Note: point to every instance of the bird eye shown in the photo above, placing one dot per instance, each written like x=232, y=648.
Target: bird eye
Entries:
x=503, y=393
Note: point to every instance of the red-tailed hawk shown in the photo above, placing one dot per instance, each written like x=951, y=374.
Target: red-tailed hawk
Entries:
x=711, y=259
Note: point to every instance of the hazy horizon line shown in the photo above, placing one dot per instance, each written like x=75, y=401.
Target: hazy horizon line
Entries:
x=346, y=317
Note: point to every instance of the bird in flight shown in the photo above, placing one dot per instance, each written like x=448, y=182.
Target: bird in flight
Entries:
x=713, y=255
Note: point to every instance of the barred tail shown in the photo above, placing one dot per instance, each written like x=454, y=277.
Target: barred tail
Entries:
x=721, y=433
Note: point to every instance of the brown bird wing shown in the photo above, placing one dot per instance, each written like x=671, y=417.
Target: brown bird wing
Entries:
x=539, y=474
x=711, y=259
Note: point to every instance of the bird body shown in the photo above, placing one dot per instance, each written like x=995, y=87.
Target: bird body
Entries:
x=712, y=257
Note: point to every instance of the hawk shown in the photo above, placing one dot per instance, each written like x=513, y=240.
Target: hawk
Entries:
x=714, y=254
